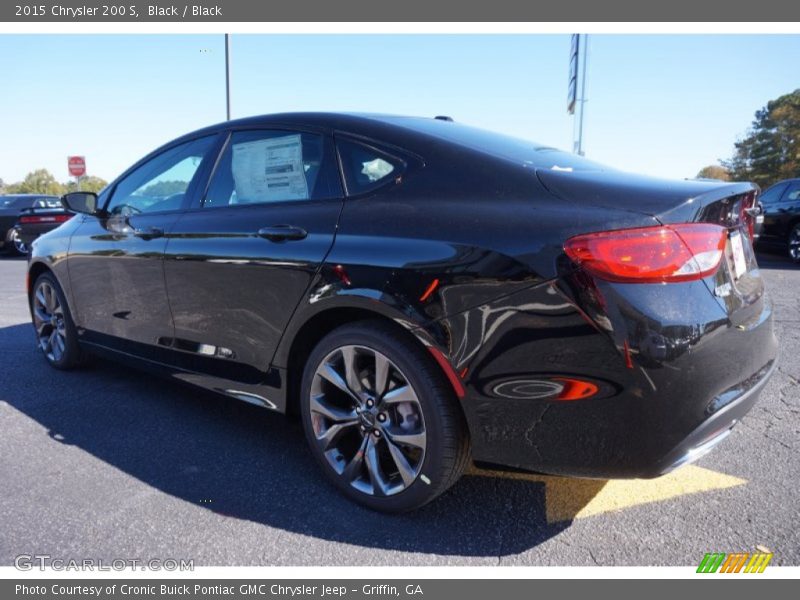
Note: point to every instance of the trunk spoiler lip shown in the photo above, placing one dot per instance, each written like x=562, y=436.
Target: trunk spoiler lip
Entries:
x=684, y=198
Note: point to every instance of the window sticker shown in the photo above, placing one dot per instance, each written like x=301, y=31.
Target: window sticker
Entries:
x=269, y=170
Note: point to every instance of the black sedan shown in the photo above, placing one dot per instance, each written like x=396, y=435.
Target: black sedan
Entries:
x=10, y=208
x=781, y=213
x=423, y=294
x=34, y=222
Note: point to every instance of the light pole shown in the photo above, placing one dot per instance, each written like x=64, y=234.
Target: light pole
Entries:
x=583, y=93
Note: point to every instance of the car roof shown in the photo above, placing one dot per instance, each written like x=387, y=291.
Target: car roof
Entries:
x=355, y=121
x=27, y=196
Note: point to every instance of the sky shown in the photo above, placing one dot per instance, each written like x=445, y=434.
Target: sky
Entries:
x=663, y=105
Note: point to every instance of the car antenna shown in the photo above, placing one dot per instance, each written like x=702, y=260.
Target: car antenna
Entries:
x=444, y=118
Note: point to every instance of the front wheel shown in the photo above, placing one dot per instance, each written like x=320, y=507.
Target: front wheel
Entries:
x=794, y=243
x=381, y=419
x=55, y=331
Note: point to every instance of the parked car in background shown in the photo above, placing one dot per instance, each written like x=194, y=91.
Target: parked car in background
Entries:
x=10, y=208
x=422, y=294
x=34, y=222
x=781, y=211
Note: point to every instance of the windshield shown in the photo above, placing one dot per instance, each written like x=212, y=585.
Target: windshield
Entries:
x=497, y=144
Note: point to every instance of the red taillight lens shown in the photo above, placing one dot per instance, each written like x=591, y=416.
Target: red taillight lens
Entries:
x=660, y=254
x=44, y=219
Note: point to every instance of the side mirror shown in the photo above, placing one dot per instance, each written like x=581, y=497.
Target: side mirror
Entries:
x=80, y=202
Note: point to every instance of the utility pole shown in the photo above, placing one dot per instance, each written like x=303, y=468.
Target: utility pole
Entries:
x=228, y=76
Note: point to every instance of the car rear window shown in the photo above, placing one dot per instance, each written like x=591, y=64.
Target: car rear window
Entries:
x=497, y=144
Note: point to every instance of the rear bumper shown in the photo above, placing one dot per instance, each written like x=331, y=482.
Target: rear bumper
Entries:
x=716, y=428
x=675, y=366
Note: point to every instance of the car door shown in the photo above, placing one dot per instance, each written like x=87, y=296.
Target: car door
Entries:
x=240, y=260
x=116, y=260
x=771, y=203
x=788, y=209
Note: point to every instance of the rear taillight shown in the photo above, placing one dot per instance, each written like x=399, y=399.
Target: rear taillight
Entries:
x=661, y=254
x=35, y=219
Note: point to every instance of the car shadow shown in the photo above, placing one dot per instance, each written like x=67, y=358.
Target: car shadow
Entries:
x=773, y=258
x=246, y=463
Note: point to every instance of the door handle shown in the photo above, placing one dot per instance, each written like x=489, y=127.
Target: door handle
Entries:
x=280, y=233
x=149, y=233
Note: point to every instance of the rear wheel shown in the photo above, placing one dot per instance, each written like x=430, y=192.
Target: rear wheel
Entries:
x=381, y=419
x=55, y=331
x=794, y=243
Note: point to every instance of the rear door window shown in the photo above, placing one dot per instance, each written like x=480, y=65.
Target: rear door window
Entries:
x=367, y=168
x=271, y=166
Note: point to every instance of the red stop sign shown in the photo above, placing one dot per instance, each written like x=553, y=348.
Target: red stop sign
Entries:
x=76, y=165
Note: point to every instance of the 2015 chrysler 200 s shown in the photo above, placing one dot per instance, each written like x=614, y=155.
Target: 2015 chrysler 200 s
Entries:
x=423, y=294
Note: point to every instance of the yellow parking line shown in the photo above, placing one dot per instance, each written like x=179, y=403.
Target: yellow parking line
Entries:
x=568, y=498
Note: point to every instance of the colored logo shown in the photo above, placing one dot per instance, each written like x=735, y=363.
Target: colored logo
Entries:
x=744, y=562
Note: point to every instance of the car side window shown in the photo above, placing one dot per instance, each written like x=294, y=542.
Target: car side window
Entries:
x=161, y=183
x=793, y=194
x=269, y=166
x=366, y=168
x=773, y=194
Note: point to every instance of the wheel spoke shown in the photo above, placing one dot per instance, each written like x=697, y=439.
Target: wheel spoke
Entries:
x=327, y=372
x=417, y=440
x=404, y=393
x=350, y=372
x=60, y=342
x=353, y=469
x=41, y=297
x=337, y=415
x=48, y=294
x=382, y=367
x=51, y=342
x=40, y=315
x=403, y=467
x=331, y=434
x=374, y=468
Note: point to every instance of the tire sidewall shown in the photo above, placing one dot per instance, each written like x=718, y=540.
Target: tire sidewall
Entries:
x=405, y=356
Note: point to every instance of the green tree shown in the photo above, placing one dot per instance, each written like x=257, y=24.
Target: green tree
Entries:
x=161, y=189
x=770, y=151
x=40, y=181
x=714, y=172
x=90, y=183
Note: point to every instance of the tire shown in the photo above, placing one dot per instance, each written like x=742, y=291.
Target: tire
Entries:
x=56, y=335
x=793, y=242
x=392, y=447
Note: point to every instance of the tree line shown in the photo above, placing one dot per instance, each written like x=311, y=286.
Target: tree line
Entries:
x=42, y=181
x=769, y=151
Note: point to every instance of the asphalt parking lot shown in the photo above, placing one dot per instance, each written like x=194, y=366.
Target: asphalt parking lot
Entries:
x=109, y=463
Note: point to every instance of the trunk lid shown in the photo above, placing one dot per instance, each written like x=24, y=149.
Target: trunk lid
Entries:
x=737, y=285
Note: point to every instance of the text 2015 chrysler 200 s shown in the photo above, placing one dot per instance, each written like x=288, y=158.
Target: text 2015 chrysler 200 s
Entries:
x=423, y=294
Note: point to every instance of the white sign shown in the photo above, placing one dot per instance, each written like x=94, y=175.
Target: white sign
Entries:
x=269, y=170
